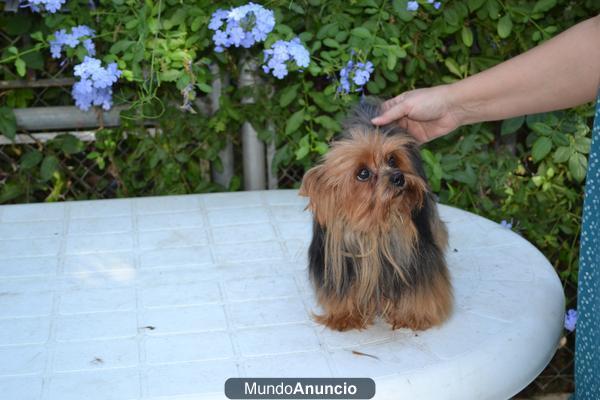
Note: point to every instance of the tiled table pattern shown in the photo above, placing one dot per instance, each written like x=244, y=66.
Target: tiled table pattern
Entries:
x=166, y=297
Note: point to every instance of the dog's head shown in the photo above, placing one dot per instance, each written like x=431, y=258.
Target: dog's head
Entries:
x=371, y=175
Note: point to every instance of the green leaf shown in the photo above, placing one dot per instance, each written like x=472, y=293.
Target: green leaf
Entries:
x=20, y=66
x=170, y=75
x=10, y=191
x=324, y=102
x=391, y=61
x=542, y=129
x=294, y=122
x=34, y=60
x=583, y=144
x=131, y=24
x=321, y=147
x=541, y=148
x=8, y=122
x=328, y=123
x=331, y=43
x=451, y=16
x=288, y=95
x=39, y=36
x=31, y=159
x=70, y=144
x=543, y=5
x=428, y=157
x=401, y=11
x=562, y=154
x=297, y=8
x=304, y=148
x=121, y=46
x=204, y=87
x=49, y=166
x=16, y=24
x=361, y=32
x=467, y=36
x=560, y=139
x=578, y=166
x=511, y=125
x=453, y=67
x=197, y=23
x=505, y=26
x=475, y=4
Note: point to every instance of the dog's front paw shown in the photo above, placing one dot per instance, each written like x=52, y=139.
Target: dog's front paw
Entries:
x=413, y=323
x=342, y=323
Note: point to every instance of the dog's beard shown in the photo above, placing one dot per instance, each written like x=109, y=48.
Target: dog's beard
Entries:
x=370, y=260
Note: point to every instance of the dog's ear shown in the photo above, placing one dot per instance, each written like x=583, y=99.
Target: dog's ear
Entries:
x=414, y=154
x=311, y=181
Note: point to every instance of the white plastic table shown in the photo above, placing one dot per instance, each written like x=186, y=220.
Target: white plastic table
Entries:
x=167, y=297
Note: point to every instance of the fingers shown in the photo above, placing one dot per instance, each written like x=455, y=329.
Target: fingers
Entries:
x=394, y=109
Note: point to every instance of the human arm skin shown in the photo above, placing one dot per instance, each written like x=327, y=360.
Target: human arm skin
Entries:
x=560, y=73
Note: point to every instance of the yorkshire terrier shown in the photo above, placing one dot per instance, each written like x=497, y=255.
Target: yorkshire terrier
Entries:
x=378, y=242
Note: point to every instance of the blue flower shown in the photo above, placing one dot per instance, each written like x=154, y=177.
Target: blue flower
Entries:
x=571, y=320
x=95, y=84
x=281, y=54
x=354, y=74
x=362, y=73
x=412, y=5
x=241, y=26
x=51, y=6
x=299, y=53
x=236, y=35
x=220, y=38
x=216, y=21
x=90, y=47
x=436, y=4
x=506, y=224
x=62, y=38
x=82, y=30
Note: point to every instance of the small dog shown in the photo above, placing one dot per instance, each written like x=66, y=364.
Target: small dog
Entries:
x=378, y=242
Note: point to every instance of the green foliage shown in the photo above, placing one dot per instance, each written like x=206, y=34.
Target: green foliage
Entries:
x=528, y=169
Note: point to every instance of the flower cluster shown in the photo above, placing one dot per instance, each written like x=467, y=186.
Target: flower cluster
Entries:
x=241, y=26
x=62, y=38
x=95, y=84
x=354, y=74
x=571, y=320
x=279, y=57
x=414, y=5
x=51, y=6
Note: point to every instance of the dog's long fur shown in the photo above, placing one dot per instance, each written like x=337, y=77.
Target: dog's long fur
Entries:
x=377, y=249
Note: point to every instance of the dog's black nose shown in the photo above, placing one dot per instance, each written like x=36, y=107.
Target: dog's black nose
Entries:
x=397, y=179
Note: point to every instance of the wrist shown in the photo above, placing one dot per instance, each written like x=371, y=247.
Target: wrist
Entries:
x=457, y=104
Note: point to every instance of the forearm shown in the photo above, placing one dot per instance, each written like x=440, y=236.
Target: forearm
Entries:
x=562, y=72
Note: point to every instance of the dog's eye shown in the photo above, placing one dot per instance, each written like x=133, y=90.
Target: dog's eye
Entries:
x=392, y=162
x=363, y=174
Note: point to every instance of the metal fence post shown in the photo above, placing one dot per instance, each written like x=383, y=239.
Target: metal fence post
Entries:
x=273, y=182
x=223, y=178
x=253, y=149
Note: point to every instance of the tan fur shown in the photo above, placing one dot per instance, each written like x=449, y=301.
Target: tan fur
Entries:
x=370, y=224
x=423, y=308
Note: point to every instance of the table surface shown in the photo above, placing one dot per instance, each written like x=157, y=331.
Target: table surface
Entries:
x=167, y=297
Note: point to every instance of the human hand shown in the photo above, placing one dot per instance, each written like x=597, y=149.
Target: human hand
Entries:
x=425, y=113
